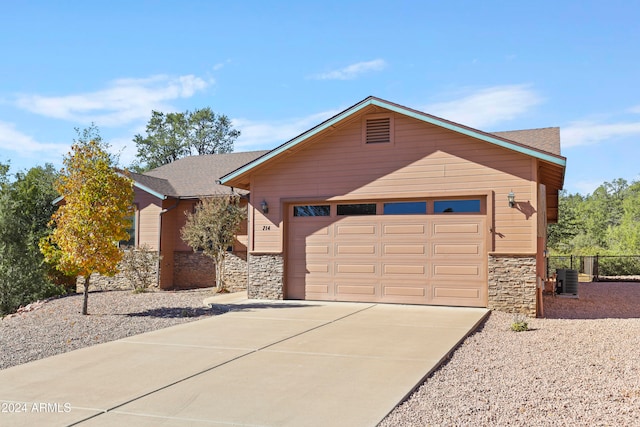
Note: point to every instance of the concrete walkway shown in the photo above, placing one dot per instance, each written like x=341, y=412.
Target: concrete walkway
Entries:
x=260, y=364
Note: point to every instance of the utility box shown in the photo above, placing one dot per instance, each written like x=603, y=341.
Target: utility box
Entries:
x=567, y=282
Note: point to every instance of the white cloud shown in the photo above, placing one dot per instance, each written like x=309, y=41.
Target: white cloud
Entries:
x=589, y=133
x=221, y=65
x=260, y=135
x=487, y=107
x=352, y=71
x=16, y=141
x=123, y=101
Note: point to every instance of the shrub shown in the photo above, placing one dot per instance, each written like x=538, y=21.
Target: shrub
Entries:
x=520, y=323
x=618, y=265
x=140, y=266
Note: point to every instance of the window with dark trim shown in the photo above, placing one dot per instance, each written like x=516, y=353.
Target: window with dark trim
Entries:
x=357, y=209
x=132, y=230
x=311, y=210
x=457, y=206
x=405, y=208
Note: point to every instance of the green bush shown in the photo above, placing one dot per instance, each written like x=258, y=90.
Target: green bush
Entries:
x=520, y=323
x=618, y=265
x=140, y=266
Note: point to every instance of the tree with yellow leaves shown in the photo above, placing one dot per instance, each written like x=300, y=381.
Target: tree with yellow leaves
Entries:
x=95, y=213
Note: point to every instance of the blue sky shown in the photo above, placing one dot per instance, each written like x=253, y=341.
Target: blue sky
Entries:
x=278, y=68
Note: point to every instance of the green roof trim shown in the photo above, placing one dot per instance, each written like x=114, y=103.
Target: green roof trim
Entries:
x=148, y=190
x=470, y=132
x=401, y=110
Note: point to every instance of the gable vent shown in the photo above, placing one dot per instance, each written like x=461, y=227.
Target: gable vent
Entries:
x=378, y=130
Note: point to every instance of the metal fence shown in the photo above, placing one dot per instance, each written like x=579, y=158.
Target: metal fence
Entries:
x=598, y=267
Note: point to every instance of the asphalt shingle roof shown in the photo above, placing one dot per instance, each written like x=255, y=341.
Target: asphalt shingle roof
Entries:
x=158, y=185
x=545, y=139
x=194, y=176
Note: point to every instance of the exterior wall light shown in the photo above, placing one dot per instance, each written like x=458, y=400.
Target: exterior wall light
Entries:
x=512, y=199
x=264, y=206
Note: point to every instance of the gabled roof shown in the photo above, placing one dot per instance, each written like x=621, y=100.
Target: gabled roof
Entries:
x=525, y=142
x=194, y=176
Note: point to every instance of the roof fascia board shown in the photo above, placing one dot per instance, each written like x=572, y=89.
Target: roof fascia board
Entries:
x=284, y=147
x=144, y=187
x=149, y=190
x=401, y=110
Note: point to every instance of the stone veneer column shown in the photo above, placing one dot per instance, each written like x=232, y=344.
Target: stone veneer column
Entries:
x=235, y=271
x=266, y=276
x=512, y=283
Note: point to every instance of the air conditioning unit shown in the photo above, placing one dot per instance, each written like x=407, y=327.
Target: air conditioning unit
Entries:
x=567, y=282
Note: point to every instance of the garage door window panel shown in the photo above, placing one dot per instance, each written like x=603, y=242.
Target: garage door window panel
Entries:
x=405, y=208
x=457, y=206
x=357, y=209
x=311, y=210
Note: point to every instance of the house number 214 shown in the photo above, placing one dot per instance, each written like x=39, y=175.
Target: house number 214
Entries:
x=266, y=228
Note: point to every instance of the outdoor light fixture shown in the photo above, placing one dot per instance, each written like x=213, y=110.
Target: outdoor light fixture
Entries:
x=264, y=206
x=512, y=199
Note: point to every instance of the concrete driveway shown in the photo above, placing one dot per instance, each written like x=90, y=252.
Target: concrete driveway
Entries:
x=261, y=364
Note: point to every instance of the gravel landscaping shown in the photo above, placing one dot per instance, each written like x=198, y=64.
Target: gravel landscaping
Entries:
x=58, y=326
x=578, y=366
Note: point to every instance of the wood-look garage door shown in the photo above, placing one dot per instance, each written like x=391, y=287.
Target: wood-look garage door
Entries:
x=416, y=259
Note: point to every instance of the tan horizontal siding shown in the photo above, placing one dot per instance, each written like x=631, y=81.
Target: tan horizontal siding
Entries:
x=423, y=159
x=149, y=208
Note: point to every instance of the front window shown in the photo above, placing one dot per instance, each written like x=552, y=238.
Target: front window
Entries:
x=131, y=242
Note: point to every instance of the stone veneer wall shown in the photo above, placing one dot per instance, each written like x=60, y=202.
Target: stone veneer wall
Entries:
x=235, y=271
x=196, y=270
x=193, y=270
x=115, y=283
x=104, y=283
x=266, y=272
x=512, y=283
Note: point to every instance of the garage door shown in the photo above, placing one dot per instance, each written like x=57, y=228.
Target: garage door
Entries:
x=416, y=259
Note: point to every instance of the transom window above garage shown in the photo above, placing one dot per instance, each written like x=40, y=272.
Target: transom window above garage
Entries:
x=311, y=210
x=457, y=206
x=357, y=209
x=405, y=208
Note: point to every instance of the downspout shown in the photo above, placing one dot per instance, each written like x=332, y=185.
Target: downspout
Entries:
x=162, y=212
